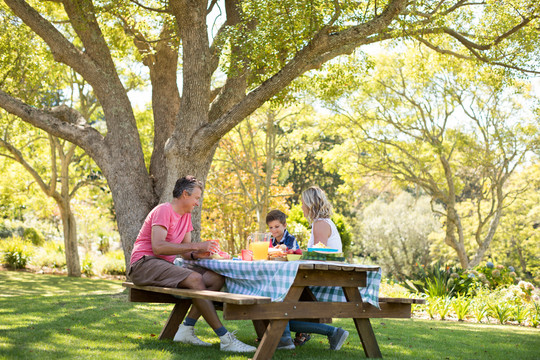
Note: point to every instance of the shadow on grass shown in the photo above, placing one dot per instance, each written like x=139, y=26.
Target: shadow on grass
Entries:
x=90, y=318
x=15, y=283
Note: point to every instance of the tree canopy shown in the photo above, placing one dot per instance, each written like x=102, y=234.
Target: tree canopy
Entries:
x=205, y=79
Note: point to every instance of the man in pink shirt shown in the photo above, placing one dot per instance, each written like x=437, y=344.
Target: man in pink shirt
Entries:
x=166, y=233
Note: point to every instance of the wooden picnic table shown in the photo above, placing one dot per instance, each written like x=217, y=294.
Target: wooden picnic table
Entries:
x=270, y=317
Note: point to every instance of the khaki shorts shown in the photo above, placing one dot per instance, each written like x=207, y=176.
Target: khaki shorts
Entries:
x=155, y=271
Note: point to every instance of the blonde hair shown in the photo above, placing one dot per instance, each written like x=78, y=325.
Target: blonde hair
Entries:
x=318, y=205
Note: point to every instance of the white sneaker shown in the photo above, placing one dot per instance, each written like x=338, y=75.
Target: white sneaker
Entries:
x=186, y=335
x=229, y=342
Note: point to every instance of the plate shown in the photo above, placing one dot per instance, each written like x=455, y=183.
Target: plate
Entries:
x=322, y=250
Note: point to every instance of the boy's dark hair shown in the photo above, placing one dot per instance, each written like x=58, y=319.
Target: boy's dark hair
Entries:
x=187, y=183
x=276, y=215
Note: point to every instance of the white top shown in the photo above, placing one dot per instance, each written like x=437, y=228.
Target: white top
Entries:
x=334, y=241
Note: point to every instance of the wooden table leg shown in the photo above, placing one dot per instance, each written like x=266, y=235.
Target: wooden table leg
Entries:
x=363, y=327
x=175, y=319
x=275, y=329
x=270, y=340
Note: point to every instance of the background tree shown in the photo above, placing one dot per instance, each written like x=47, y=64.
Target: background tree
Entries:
x=455, y=134
x=517, y=243
x=56, y=166
x=394, y=233
x=259, y=49
x=243, y=182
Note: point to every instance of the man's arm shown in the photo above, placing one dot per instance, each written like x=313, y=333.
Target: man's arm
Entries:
x=198, y=254
x=162, y=247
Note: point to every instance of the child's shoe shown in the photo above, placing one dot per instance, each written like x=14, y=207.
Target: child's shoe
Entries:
x=336, y=341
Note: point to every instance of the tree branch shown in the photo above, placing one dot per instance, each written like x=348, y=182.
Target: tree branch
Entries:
x=324, y=41
x=62, y=50
x=164, y=10
x=59, y=121
x=18, y=156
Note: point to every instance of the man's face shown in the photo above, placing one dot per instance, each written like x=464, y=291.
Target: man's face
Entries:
x=190, y=201
x=276, y=228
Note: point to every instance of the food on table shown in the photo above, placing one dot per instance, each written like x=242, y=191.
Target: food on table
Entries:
x=320, y=245
x=293, y=257
x=221, y=255
x=277, y=254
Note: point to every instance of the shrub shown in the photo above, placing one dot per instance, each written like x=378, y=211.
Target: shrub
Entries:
x=34, y=236
x=479, y=309
x=431, y=307
x=104, y=244
x=519, y=313
x=5, y=232
x=432, y=280
x=534, y=314
x=461, y=306
x=501, y=311
x=496, y=276
x=114, y=263
x=51, y=255
x=87, y=265
x=443, y=306
x=16, y=253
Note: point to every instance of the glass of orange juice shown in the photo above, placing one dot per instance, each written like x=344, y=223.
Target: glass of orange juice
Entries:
x=259, y=245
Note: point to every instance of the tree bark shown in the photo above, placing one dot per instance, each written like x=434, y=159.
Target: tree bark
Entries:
x=71, y=245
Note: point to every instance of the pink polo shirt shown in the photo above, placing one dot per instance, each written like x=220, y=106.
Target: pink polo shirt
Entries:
x=163, y=215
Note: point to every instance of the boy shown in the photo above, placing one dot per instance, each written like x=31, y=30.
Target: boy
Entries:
x=277, y=224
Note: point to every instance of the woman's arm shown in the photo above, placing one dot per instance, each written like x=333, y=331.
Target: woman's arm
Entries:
x=321, y=232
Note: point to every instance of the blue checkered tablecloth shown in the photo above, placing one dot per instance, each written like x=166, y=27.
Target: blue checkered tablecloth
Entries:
x=274, y=278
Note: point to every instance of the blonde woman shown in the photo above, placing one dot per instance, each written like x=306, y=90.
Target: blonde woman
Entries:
x=317, y=209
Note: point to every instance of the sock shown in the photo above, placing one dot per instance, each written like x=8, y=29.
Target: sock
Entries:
x=189, y=321
x=220, y=331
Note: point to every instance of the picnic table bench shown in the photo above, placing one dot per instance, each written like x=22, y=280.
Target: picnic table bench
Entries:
x=270, y=317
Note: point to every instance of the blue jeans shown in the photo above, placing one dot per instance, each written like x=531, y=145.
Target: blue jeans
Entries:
x=306, y=327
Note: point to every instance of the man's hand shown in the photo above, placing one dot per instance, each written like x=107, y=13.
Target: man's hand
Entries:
x=210, y=246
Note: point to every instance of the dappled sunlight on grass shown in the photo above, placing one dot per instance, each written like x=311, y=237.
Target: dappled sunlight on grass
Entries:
x=92, y=318
x=15, y=283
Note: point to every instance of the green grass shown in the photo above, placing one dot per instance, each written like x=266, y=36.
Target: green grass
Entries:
x=56, y=317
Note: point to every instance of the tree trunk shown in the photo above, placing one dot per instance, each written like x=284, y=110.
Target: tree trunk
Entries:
x=71, y=245
x=184, y=162
x=453, y=227
x=484, y=246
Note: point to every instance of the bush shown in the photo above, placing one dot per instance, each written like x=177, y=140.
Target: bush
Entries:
x=432, y=280
x=34, y=236
x=114, y=263
x=104, y=244
x=51, y=255
x=440, y=280
x=87, y=265
x=5, y=232
x=16, y=253
x=496, y=276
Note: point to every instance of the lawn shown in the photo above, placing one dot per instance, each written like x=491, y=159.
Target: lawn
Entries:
x=56, y=317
